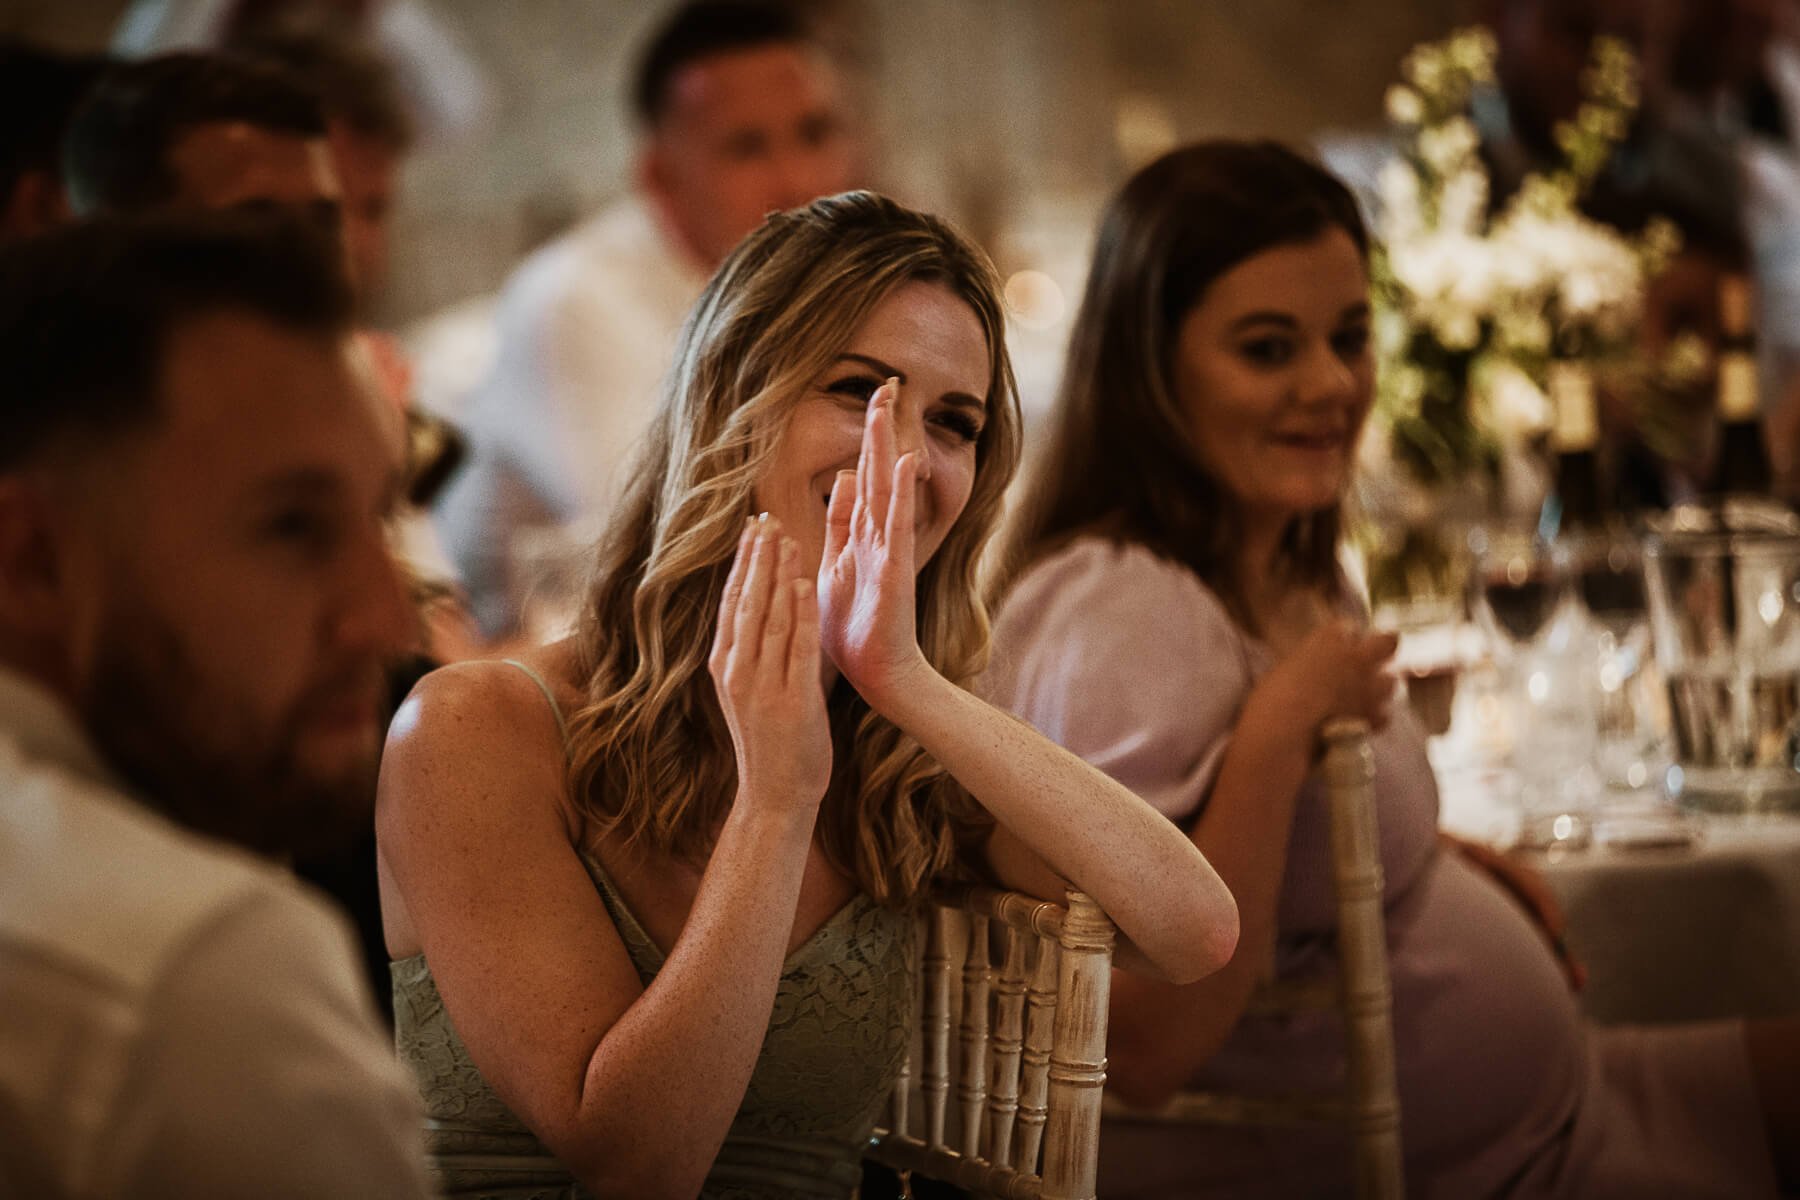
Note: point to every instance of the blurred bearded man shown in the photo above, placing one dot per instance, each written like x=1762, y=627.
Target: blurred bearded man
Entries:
x=196, y=608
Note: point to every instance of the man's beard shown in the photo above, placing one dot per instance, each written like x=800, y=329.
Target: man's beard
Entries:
x=200, y=760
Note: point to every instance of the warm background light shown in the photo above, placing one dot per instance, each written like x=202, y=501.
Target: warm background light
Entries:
x=1035, y=300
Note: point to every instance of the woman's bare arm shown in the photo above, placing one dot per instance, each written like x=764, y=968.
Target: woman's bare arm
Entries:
x=1161, y=1034
x=632, y=1087
x=1144, y=872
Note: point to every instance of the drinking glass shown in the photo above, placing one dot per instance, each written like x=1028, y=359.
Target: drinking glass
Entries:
x=1523, y=586
x=1725, y=610
x=1607, y=567
x=1520, y=583
x=1427, y=659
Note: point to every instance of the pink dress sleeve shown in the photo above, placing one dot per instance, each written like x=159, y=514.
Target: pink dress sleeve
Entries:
x=1130, y=662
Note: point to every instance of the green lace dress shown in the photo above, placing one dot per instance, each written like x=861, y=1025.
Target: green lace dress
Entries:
x=836, y=1039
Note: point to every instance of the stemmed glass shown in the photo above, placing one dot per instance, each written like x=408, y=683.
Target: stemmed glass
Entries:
x=1521, y=582
x=1610, y=585
x=1523, y=590
x=1609, y=582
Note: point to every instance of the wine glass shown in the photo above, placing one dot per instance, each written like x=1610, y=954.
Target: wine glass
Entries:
x=1608, y=570
x=1520, y=583
x=1609, y=580
x=1523, y=585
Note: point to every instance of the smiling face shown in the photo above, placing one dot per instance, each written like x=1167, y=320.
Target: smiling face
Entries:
x=1274, y=376
x=932, y=340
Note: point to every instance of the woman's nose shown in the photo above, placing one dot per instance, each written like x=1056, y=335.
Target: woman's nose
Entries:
x=1328, y=377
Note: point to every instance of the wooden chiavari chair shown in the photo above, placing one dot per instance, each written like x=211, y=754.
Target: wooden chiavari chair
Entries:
x=1370, y=1105
x=1029, y=982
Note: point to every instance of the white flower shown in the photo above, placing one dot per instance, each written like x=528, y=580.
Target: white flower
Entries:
x=1456, y=328
x=1524, y=329
x=1425, y=67
x=1446, y=147
x=1391, y=332
x=1449, y=276
x=1409, y=387
x=1462, y=205
x=1404, y=106
x=1586, y=272
x=1517, y=408
x=1472, y=51
x=1401, y=218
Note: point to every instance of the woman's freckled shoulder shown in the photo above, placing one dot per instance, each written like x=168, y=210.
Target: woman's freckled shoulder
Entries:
x=469, y=706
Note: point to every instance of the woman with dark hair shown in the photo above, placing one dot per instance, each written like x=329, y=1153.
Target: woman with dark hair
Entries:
x=651, y=890
x=1176, y=615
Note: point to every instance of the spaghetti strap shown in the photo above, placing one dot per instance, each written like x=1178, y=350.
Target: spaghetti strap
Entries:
x=562, y=726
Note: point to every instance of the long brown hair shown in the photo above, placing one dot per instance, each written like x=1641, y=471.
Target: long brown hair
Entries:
x=1119, y=460
x=651, y=757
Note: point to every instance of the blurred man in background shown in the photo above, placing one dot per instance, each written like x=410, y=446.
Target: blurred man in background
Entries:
x=206, y=130
x=200, y=131
x=742, y=114
x=369, y=129
x=197, y=131
x=196, y=607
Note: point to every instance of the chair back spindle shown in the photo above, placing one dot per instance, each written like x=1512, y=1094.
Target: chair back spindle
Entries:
x=1029, y=983
x=1367, y=1000
x=1363, y=995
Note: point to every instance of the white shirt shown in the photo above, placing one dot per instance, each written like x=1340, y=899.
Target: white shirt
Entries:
x=177, y=1017
x=587, y=328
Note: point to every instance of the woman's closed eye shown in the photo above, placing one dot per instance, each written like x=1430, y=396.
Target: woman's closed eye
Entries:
x=858, y=387
x=960, y=423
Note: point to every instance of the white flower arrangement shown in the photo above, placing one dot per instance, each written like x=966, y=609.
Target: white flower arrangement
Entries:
x=1471, y=304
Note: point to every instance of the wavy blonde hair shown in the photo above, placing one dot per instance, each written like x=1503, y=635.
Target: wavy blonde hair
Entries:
x=651, y=757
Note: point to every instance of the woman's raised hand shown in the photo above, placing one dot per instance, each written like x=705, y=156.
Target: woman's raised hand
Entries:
x=867, y=575
x=765, y=664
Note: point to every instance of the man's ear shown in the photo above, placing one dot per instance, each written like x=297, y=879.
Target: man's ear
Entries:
x=650, y=168
x=33, y=567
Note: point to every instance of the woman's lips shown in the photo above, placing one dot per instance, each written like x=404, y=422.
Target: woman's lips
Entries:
x=1313, y=441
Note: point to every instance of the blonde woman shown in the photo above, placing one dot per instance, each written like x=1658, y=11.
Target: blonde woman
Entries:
x=649, y=888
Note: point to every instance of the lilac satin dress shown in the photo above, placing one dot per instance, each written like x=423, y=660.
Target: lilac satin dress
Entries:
x=1133, y=663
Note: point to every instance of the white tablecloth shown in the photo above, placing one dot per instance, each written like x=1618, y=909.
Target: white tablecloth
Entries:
x=1668, y=934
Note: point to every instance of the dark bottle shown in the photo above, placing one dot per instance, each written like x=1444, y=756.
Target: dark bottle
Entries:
x=1573, y=505
x=1742, y=462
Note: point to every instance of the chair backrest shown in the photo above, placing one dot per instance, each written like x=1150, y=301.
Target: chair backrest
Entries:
x=1370, y=1106
x=1029, y=983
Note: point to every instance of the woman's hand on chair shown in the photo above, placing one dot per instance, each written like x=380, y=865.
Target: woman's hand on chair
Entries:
x=867, y=576
x=765, y=665
x=1341, y=669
